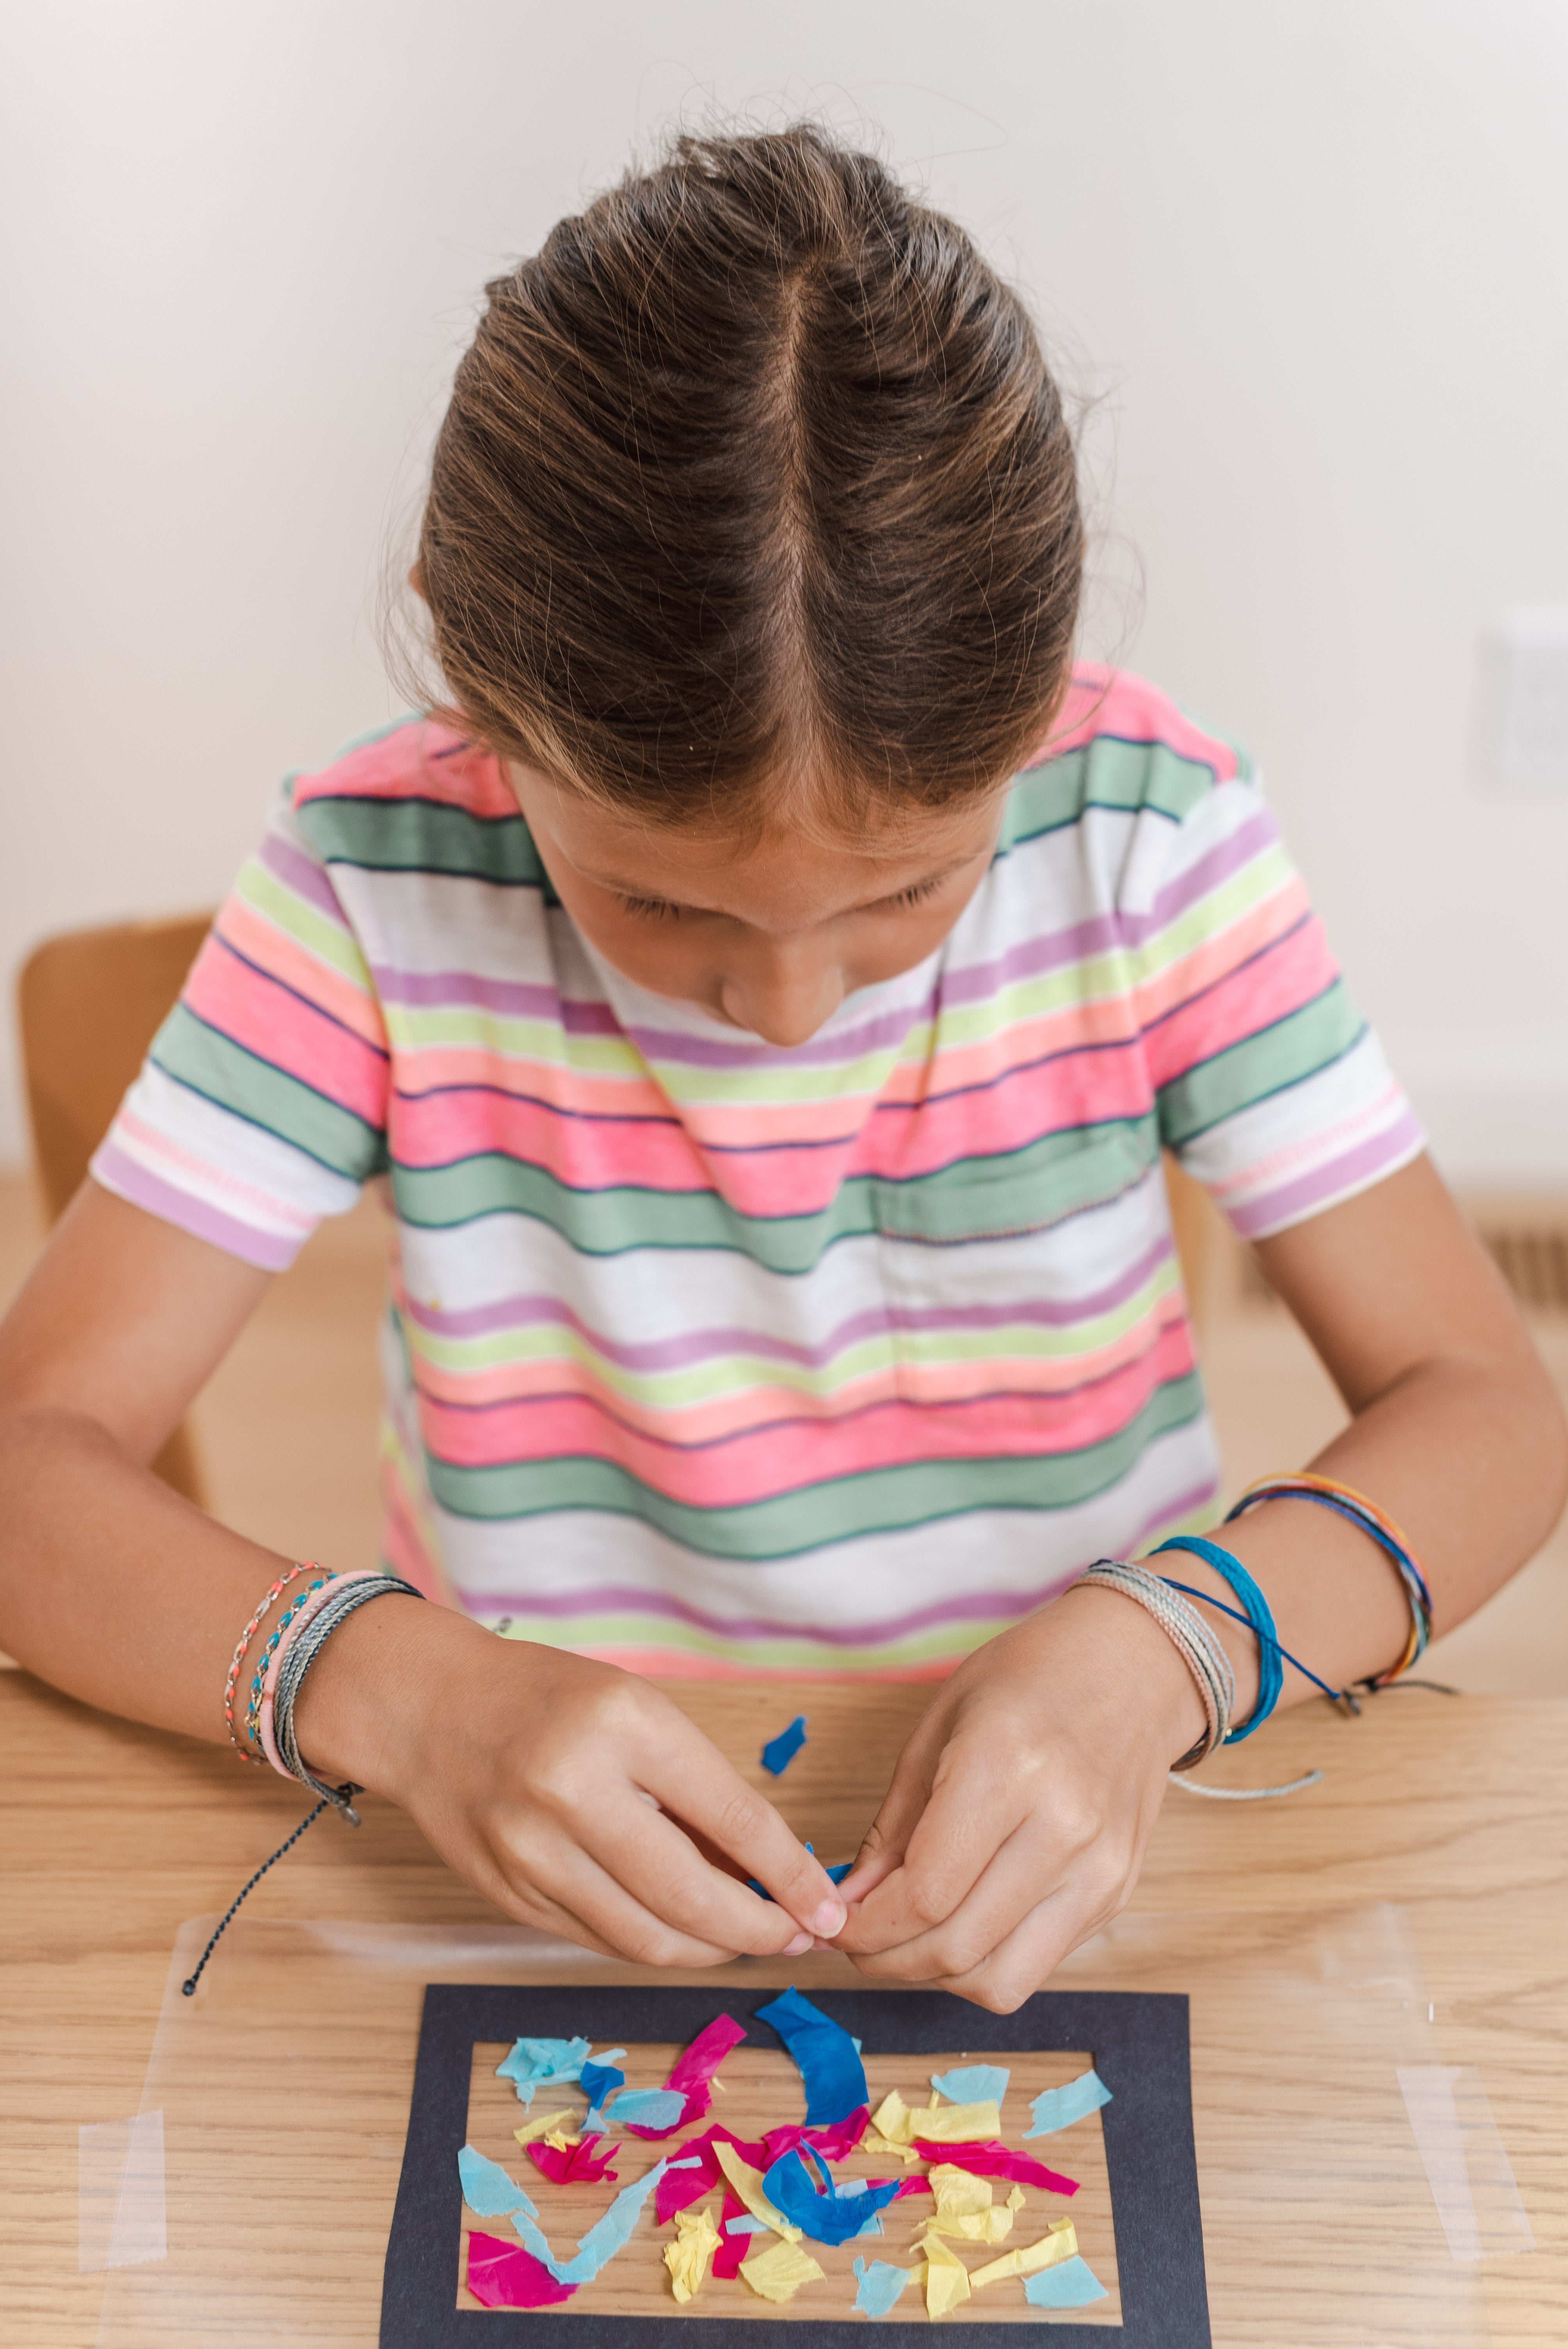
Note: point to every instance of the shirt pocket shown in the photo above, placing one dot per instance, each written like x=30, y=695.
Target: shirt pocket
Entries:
x=1028, y=1190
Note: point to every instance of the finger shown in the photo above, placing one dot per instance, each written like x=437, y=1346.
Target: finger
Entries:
x=658, y=1864
x=587, y=1900
x=887, y=1837
x=691, y=1777
x=978, y=1803
x=1026, y=1960
x=1025, y=1872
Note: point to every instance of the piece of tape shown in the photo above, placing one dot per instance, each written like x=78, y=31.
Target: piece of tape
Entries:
x=1466, y=2166
x=119, y=2194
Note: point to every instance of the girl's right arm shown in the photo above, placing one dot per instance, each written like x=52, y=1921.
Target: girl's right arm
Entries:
x=574, y=1796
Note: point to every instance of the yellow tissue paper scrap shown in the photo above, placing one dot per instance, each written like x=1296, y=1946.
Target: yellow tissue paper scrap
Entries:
x=958, y=2190
x=748, y=2184
x=561, y=2141
x=1059, y=2242
x=696, y=2239
x=950, y=2124
x=975, y=2226
x=946, y=2279
x=884, y=2150
x=779, y=2272
x=1016, y=2200
x=542, y=2125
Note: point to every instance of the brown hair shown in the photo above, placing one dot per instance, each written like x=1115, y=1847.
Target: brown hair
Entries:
x=756, y=466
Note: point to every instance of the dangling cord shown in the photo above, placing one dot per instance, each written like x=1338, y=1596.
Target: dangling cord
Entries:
x=343, y=1794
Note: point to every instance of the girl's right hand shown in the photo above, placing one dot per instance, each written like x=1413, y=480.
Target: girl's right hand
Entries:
x=573, y=1794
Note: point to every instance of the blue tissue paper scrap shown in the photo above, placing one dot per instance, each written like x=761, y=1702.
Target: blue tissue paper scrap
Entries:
x=827, y=2217
x=603, y=2240
x=879, y=2286
x=534, y=2062
x=1059, y=2107
x=601, y=2080
x=488, y=2189
x=973, y=2084
x=644, y=2108
x=834, y=2075
x=781, y=1750
x=1072, y=2286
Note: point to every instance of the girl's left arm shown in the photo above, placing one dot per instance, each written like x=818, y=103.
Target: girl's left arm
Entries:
x=1021, y=1808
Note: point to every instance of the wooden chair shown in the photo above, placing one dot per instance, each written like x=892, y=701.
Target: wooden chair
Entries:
x=90, y=1004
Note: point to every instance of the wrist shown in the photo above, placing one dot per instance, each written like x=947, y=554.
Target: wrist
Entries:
x=364, y=1708
x=1139, y=1669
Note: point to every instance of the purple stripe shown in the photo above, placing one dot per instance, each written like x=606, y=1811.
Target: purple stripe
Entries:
x=514, y=998
x=886, y=1031
x=125, y=1175
x=301, y=875
x=1353, y=1170
x=1101, y=932
x=702, y=1345
x=986, y=1606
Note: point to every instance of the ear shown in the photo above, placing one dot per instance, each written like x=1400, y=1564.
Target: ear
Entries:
x=416, y=581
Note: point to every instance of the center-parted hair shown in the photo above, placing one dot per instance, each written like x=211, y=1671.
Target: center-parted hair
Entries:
x=755, y=469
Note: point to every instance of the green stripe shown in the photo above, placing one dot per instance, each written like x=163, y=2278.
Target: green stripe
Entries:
x=788, y=1652
x=1014, y=1193
x=224, y=1072
x=846, y=1509
x=1279, y=1056
x=1105, y=774
x=286, y=911
x=421, y=836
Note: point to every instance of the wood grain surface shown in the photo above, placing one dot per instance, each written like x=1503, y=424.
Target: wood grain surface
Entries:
x=1449, y=1816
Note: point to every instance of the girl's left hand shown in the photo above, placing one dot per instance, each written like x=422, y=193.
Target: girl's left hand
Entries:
x=1021, y=1808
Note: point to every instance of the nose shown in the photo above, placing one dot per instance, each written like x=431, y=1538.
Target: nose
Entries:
x=784, y=997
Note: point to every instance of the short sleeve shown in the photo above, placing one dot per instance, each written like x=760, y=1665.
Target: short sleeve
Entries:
x=262, y=1106
x=1271, y=1089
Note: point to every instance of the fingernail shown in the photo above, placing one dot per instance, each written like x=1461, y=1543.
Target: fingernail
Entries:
x=801, y=1942
x=829, y=1919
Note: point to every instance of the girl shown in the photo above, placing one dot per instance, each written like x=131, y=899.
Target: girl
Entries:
x=765, y=983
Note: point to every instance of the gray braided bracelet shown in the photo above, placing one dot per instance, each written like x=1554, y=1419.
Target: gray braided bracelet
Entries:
x=297, y=1660
x=1194, y=1642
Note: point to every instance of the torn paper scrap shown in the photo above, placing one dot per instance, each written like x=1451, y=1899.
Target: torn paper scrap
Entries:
x=974, y=2084
x=835, y=2144
x=1072, y=2285
x=829, y=2062
x=583, y=2164
x=879, y=2286
x=827, y=2216
x=1059, y=2107
x=648, y=2112
x=529, y=2130
x=533, y=2062
x=779, y=2272
x=602, y=2241
x=746, y=2225
x=946, y=2279
x=964, y=2208
x=691, y=2080
x=944, y=2125
x=781, y=1750
x=886, y=2151
x=697, y=2172
x=489, y=2192
x=503, y=2275
x=732, y=2249
x=696, y=2239
x=995, y=2160
x=1058, y=2242
x=601, y=2080
x=748, y=2184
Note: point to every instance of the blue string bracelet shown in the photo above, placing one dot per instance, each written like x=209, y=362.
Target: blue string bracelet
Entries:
x=1258, y=1617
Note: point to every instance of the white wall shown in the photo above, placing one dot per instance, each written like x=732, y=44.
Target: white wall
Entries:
x=1314, y=253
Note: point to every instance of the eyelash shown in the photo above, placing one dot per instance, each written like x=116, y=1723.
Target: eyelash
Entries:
x=659, y=909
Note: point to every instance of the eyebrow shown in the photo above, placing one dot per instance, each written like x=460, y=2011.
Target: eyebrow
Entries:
x=868, y=904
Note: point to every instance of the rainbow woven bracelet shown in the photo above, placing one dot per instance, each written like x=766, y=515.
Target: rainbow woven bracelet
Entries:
x=1354, y=1506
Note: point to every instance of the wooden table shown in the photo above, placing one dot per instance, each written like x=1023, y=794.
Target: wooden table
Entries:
x=1456, y=1809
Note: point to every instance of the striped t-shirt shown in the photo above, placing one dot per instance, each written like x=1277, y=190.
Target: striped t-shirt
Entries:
x=713, y=1358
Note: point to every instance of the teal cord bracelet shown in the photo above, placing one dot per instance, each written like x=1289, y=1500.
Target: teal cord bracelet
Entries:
x=1270, y=1676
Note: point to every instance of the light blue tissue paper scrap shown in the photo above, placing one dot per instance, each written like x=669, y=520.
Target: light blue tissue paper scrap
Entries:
x=648, y=2107
x=746, y=2225
x=879, y=2286
x=973, y=2084
x=488, y=2189
x=1073, y=2285
x=1059, y=2107
x=534, y=2062
x=849, y=2187
x=603, y=2240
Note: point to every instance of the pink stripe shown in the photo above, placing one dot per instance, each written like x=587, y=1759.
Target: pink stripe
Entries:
x=1112, y=702
x=130, y=1180
x=755, y=1466
x=254, y=1011
x=271, y=951
x=1352, y=1170
x=1289, y=974
x=421, y=761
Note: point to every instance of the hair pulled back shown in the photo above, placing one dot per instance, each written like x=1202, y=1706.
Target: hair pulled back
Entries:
x=755, y=471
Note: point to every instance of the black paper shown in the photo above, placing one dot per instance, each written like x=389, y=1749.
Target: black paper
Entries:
x=1138, y=2042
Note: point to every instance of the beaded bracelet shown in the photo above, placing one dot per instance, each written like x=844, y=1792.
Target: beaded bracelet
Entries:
x=280, y=1631
x=289, y=1631
x=246, y=1636
x=1346, y=1502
